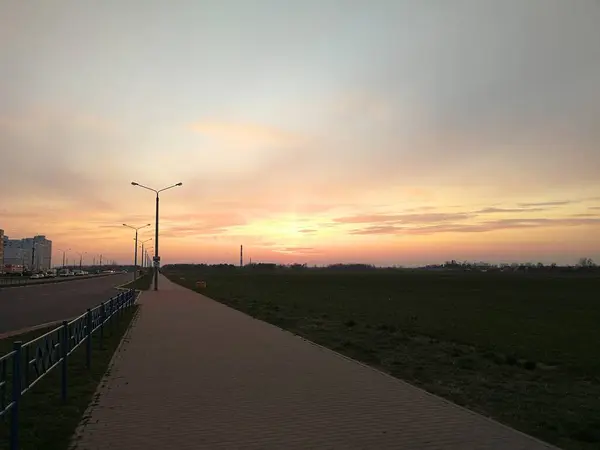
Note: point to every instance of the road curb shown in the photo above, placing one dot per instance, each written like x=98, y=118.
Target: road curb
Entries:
x=102, y=386
x=121, y=288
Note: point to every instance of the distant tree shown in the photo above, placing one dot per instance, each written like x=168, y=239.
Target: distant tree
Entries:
x=586, y=263
x=351, y=267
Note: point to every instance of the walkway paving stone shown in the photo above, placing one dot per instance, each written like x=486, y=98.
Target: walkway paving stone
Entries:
x=195, y=374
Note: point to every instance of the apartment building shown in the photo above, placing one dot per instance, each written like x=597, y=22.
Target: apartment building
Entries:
x=34, y=253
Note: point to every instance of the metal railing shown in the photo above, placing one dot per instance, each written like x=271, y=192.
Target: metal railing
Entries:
x=29, y=362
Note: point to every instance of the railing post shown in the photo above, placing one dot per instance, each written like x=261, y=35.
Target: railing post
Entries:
x=25, y=368
x=111, y=313
x=16, y=396
x=65, y=355
x=88, y=343
x=102, y=319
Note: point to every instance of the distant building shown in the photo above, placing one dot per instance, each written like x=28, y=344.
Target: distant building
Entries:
x=13, y=252
x=34, y=254
x=1, y=251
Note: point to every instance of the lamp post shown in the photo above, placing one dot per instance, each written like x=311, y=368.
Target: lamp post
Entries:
x=156, y=257
x=143, y=253
x=64, y=253
x=81, y=259
x=33, y=256
x=136, y=246
x=148, y=255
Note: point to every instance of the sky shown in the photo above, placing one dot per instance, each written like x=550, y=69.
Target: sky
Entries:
x=383, y=132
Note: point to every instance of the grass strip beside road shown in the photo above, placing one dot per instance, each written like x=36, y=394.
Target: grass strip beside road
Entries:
x=45, y=421
x=142, y=283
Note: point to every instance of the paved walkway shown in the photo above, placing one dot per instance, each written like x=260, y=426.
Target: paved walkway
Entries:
x=195, y=374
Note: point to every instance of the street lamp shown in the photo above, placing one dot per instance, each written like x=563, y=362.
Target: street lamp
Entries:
x=144, y=254
x=64, y=252
x=81, y=259
x=156, y=257
x=136, y=246
x=148, y=256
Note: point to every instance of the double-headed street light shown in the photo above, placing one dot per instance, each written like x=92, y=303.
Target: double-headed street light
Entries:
x=143, y=253
x=64, y=253
x=148, y=256
x=81, y=259
x=136, y=247
x=156, y=257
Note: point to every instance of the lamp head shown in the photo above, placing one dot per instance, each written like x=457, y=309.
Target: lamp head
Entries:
x=179, y=184
x=134, y=183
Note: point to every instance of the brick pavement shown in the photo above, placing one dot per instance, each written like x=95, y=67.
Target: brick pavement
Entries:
x=195, y=374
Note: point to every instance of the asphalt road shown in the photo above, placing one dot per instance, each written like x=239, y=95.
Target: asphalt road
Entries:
x=10, y=281
x=22, y=307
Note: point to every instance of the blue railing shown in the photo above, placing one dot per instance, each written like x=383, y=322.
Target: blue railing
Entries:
x=29, y=362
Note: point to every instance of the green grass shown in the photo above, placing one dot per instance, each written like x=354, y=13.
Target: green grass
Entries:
x=520, y=348
x=142, y=283
x=45, y=421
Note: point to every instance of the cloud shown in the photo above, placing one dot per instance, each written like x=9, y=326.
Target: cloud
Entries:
x=297, y=250
x=307, y=230
x=555, y=203
x=585, y=215
x=498, y=225
x=202, y=224
x=379, y=229
x=60, y=159
x=514, y=107
x=507, y=210
x=403, y=218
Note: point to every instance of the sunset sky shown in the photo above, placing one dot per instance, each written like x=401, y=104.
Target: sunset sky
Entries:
x=315, y=131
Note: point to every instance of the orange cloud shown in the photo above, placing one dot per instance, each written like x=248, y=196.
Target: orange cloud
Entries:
x=483, y=227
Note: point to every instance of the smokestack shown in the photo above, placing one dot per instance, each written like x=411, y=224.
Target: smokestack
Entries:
x=241, y=256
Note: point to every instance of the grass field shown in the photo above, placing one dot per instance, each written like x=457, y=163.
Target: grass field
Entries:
x=45, y=421
x=520, y=348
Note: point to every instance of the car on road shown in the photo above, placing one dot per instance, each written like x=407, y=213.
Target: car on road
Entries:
x=36, y=276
